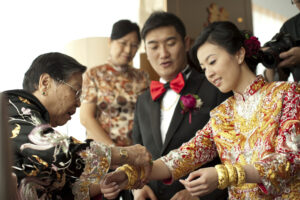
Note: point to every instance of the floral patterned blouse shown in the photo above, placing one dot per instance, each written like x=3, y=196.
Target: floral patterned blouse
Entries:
x=48, y=164
x=115, y=93
x=260, y=127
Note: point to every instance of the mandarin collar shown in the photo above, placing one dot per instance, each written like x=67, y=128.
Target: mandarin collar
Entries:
x=256, y=85
x=118, y=68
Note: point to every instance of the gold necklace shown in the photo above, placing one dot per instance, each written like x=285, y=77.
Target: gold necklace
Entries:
x=168, y=108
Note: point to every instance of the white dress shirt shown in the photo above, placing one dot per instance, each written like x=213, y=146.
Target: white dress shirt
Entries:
x=168, y=105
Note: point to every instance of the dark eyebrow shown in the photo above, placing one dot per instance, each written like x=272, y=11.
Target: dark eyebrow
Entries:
x=167, y=39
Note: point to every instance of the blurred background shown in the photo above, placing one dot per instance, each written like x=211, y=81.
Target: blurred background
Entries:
x=80, y=28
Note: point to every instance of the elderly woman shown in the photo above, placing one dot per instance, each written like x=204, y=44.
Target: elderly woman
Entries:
x=255, y=132
x=48, y=164
x=110, y=90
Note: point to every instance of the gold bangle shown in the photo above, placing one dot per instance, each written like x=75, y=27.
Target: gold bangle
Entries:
x=222, y=176
x=232, y=174
x=241, y=174
x=132, y=174
x=142, y=173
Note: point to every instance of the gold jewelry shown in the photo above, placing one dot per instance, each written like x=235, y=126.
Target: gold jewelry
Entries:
x=232, y=174
x=241, y=174
x=222, y=176
x=168, y=108
x=142, y=173
x=132, y=175
x=123, y=154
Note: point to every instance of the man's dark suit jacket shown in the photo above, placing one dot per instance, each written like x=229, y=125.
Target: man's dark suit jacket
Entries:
x=146, y=128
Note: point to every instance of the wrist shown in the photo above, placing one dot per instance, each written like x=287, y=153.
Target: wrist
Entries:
x=120, y=155
x=123, y=155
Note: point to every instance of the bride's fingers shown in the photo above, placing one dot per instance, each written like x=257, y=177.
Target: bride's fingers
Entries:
x=195, y=186
x=191, y=184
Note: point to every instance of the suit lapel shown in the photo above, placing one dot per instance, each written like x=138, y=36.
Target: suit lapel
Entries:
x=155, y=121
x=177, y=118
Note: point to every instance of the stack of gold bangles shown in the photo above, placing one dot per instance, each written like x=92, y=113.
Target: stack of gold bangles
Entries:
x=230, y=175
x=133, y=173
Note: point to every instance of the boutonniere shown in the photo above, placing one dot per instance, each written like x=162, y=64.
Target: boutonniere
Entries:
x=189, y=103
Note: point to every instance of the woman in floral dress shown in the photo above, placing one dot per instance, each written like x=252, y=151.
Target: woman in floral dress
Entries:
x=110, y=90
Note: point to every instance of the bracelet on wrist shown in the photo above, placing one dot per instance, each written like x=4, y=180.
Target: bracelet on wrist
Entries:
x=240, y=173
x=232, y=174
x=223, y=180
x=133, y=174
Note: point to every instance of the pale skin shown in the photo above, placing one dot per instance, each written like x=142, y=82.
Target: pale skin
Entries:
x=236, y=76
x=166, y=52
x=121, y=52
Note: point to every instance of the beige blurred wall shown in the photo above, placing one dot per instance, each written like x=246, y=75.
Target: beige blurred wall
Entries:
x=90, y=51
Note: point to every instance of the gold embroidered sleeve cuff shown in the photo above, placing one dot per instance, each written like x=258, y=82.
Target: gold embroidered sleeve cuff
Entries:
x=97, y=159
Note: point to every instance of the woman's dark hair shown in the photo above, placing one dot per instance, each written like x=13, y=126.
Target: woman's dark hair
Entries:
x=59, y=66
x=224, y=34
x=122, y=28
x=160, y=19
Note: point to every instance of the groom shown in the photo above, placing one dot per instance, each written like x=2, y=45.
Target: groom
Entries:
x=160, y=123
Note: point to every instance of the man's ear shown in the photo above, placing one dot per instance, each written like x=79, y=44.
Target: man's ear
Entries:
x=187, y=43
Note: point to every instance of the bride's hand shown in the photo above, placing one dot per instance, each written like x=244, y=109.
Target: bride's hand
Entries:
x=202, y=181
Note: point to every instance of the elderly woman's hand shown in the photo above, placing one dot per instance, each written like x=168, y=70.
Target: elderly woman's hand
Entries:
x=140, y=157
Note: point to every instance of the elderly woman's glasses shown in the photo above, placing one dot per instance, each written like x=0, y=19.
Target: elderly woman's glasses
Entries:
x=77, y=92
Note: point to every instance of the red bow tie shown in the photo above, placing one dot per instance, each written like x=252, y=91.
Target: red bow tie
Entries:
x=157, y=88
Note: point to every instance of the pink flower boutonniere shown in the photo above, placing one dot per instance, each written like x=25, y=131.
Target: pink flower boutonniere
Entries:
x=189, y=103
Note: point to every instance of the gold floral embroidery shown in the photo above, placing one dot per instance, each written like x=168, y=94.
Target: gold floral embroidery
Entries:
x=33, y=172
x=24, y=100
x=41, y=161
x=16, y=131
x=259, y=127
